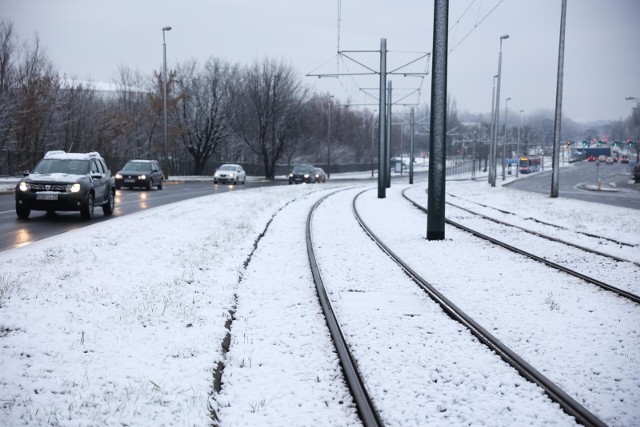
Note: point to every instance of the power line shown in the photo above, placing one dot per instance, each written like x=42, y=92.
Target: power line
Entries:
x=477, y=24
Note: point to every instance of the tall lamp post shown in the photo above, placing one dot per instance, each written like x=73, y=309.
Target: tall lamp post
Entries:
x=373, y=141
x=518, y=145
x=164, y=101
x=637, y=101
x=504, y=144
x=329, y=139
x=492, y=148
x=495, y=134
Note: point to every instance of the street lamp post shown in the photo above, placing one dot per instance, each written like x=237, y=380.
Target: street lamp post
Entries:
x=492, y=148
x=518, y=145
x=373, y=141
x=164, y=101
x=329, y=140
x=495, y=134
x=634, y=99
x=504, y=143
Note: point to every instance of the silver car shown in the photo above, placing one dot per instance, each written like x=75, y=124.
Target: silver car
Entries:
x=230, y=173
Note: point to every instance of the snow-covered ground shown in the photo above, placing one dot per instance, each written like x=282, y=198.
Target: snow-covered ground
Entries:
x=122, y=322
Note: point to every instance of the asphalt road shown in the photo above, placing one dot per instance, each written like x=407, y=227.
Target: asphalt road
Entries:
x=580, y=182
x=574, y=182
x=15, y=232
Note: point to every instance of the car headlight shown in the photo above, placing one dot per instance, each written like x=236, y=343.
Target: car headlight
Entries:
x=231, y=175
x=143, y=177
x=74, y=188
x=118, y=176
x=215, y=175
x=306, y=175
x=24, y=186
x=290, y=175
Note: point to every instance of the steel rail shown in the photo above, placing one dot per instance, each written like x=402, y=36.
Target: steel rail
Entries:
x=584, y=233
x=544, y=236
x=566, y=402
x=364, y=405
x=620, y=292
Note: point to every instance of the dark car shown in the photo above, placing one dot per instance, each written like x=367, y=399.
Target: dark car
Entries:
x=66, y=182
x=302, y=173
x=320, y=175
x=140, y=173
x=636, y=173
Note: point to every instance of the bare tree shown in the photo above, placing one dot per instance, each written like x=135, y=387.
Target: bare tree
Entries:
x=8, y=43
x=266, y=110
x=37, y=89
x=137, y=116
x=202, y=96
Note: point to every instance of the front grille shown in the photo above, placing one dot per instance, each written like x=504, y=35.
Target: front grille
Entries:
x=61, y=188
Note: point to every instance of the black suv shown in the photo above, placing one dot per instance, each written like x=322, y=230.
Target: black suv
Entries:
x=140, y=173
x=66, y=182
x=302, y=173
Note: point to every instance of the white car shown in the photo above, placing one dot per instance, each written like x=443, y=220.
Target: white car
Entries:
x=230, y=173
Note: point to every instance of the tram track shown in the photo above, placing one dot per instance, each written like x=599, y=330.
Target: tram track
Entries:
x=542, y=258
x=526, y=370
x=556, y=226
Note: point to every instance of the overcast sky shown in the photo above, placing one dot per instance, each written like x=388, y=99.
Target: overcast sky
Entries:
x=91, y=39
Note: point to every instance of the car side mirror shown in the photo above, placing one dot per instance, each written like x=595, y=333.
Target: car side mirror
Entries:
x=25, y=172
x=96, y=175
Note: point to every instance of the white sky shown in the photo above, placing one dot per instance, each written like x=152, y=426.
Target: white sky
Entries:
x=133, y=338
x=91, y=39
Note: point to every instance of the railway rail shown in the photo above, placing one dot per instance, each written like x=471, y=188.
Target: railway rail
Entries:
x=633, y=272
x=365, y=404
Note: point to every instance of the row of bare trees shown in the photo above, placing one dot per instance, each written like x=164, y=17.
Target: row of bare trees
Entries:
x=261, y=114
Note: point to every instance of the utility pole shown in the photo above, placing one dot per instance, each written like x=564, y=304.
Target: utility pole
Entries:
x=412, y=133
x=164, y=102
x=492, y=148
x=438, y=137
x=555, y=174
x=382, y=117
x=387, y=145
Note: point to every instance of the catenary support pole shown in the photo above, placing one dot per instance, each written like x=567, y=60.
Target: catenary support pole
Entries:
x=382, y=117
x=411, y=144
x=387, y=146
x=437, y=139
x=492, y=149
x=555, y=174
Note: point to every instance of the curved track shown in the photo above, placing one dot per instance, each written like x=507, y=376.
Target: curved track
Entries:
x=618, y=291
x=364, y=402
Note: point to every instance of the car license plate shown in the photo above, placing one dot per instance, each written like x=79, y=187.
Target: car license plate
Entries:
x=129, y=180
x=46, y=196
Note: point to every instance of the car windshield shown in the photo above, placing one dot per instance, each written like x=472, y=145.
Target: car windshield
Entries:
x=227, y=168
x=301, y=169
x=137, y=167
x=70, y=166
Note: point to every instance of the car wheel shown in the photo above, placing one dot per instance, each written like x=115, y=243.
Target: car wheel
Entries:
x=22, y=212
x=160, y=184
x=87, y=208
x=109, y=207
